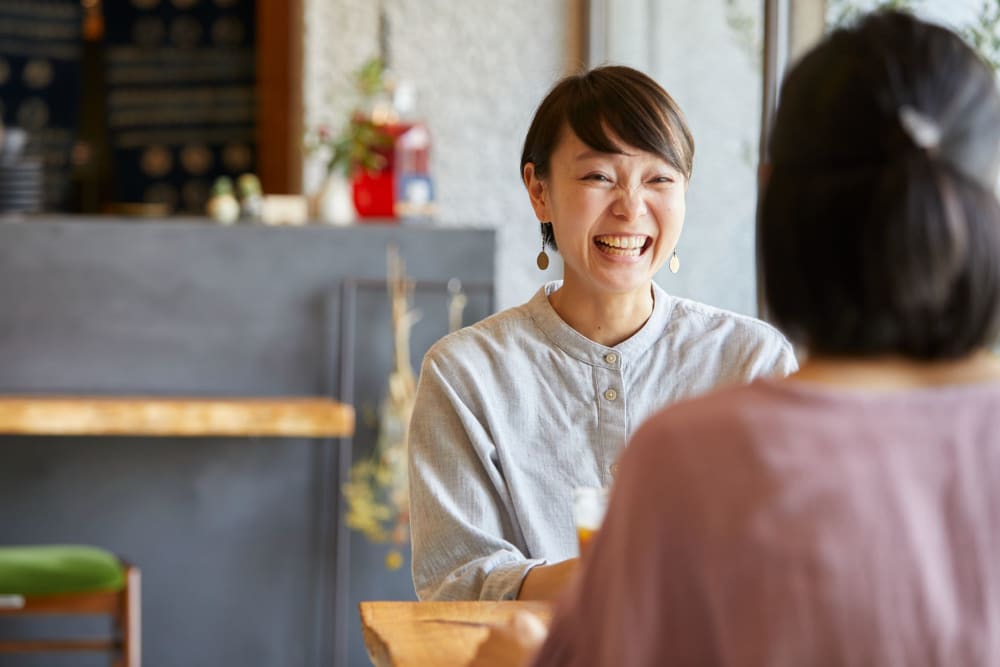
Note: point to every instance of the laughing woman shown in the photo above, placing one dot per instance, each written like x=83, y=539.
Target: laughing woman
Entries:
x=516, y=411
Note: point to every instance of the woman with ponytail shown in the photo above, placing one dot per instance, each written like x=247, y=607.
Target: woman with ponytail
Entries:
x=848, y=515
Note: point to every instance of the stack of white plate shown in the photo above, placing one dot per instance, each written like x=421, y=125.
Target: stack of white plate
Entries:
x=21, y=186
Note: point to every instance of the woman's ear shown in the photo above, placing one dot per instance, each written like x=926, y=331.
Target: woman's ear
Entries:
x=537, y=192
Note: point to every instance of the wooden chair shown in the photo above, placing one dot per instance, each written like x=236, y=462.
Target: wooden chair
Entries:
x=72, y=580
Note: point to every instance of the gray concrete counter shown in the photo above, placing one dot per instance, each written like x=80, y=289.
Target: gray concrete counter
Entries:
x=243, y=559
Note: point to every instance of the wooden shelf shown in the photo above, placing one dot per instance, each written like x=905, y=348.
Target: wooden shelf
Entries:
x=307, y=417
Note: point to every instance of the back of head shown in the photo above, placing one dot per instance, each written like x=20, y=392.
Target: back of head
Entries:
x=879, y=228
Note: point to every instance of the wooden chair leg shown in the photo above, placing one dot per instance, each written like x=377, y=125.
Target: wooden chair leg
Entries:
x=130, y=620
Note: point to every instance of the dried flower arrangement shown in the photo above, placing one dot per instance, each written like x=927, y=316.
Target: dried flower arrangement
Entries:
x=377, y=492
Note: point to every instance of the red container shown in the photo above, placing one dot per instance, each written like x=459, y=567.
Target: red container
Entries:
x=375, y=191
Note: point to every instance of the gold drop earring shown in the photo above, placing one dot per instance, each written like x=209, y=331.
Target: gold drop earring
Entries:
x=543, y=259
x=674, y=264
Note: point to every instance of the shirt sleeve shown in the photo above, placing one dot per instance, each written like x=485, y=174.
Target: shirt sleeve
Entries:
x=760, y=351
x=460, y=510
x=774, y=356
x=787, y=362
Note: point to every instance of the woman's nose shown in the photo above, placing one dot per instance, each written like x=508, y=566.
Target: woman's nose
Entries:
x=630, y=203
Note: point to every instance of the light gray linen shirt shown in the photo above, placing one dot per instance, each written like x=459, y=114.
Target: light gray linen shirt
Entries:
x=514, y=412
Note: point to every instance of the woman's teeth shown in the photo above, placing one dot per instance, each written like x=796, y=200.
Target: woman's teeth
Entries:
x=630, y=246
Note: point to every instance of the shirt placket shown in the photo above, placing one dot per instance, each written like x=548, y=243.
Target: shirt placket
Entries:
x=611, y=410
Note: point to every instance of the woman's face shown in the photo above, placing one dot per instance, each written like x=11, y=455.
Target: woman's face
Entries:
x=616, y=217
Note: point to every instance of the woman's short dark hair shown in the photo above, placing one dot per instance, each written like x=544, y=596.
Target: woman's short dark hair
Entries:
x=609, y=100
x=879, y=226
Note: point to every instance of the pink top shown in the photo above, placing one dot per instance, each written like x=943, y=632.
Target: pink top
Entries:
x=790, y=524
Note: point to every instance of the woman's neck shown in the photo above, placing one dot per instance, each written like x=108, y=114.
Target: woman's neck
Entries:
x=890, y=373
x=605, y=319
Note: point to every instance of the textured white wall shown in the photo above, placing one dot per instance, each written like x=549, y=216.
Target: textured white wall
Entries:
x=480, y=69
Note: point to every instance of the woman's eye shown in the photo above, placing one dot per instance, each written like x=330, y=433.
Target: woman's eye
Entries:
x=600, y=178
x=662, y=179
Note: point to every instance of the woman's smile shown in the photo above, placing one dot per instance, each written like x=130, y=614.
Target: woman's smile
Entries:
x=621, y=245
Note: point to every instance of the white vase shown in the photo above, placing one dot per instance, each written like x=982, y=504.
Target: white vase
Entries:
x=335, y=203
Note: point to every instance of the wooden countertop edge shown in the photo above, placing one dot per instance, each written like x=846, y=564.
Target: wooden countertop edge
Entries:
x=296, y=416
x=377, y=646
x=378, y=650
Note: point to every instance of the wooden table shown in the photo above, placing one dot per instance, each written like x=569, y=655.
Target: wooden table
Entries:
x=305, y=417
x=443, y=634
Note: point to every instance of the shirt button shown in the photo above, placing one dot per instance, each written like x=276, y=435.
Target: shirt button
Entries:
x=614, y=469
x=611, y=394
x=611, y=357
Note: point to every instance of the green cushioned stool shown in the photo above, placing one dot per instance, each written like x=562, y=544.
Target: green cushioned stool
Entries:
x=72, y=579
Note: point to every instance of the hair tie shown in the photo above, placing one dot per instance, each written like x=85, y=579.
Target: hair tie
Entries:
x=921, y=130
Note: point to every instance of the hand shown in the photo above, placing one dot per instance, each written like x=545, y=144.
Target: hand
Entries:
x=546, y=582
x=513, y=644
